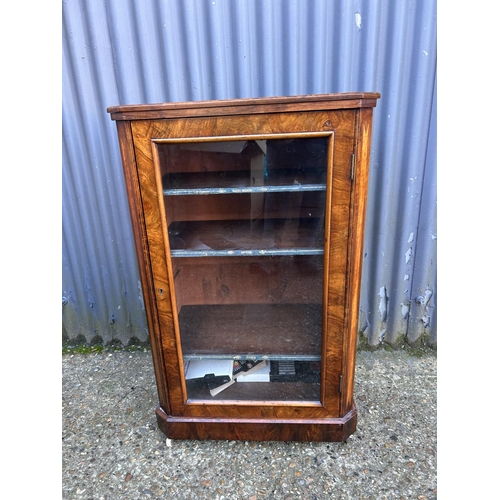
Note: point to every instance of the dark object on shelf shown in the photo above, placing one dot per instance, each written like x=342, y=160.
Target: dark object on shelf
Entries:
x=210, y=381
x=245, y=366
x=295, y=371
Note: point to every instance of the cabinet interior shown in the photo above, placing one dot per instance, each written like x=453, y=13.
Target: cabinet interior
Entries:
x=246, y=231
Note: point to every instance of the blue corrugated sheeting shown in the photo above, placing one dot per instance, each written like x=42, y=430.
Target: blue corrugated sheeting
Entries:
x=128, y=52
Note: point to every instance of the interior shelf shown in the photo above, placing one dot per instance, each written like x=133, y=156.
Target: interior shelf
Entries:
x=252, y=331
x=277, y=391
x=246, y=253
x=235, y=182
x=294, y=188
x=246, y=238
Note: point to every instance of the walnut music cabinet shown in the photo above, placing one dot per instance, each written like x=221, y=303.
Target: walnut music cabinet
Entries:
x=248, y=217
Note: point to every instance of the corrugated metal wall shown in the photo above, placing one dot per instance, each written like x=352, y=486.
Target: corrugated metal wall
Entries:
x=128, y=52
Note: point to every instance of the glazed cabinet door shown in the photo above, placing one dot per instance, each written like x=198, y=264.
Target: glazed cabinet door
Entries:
x=247, y=224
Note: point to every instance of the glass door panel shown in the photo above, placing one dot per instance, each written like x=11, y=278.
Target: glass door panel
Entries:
x=246, y=226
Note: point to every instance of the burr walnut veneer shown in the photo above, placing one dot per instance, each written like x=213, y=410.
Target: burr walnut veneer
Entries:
x=248, y=218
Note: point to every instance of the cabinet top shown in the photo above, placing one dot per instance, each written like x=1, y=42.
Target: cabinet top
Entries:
x=281, y=104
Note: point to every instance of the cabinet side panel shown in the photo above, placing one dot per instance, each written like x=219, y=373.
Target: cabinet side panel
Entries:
x=142, y=249
x=356, y=237
x=162, y=288
x=337, y=258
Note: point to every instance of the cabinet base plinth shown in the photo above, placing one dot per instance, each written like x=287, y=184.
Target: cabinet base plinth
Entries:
x=329, y=429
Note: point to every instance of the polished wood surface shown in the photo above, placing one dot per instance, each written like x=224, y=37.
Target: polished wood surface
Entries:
x=143, y=257
x=283, y=104
x=310, y=430
x=144, y=133
x=355, y=245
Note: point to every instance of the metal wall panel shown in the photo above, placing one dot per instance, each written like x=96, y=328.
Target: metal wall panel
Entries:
x=128, y=52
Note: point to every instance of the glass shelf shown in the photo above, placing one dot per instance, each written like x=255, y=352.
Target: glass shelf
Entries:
x=254, y=357
x=256, y=180
x=246, y=238
x=246, y=253
x=294, y=188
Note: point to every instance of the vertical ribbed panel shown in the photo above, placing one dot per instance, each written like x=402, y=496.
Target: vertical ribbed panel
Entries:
x=128, y=52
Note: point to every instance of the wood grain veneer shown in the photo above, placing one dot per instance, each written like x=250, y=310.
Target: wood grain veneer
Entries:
x=285, y=306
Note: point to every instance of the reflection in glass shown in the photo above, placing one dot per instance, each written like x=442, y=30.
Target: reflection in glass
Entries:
x=246, y=230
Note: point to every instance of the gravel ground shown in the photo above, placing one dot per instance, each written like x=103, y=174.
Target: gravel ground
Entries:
x=112, y=448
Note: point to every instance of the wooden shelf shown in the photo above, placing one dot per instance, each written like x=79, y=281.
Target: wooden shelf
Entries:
x=274, y=331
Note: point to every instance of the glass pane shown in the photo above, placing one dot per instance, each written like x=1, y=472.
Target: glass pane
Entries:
x=246, y=230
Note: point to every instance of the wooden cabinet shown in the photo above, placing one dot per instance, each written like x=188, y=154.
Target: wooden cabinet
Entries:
x=248, y=217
